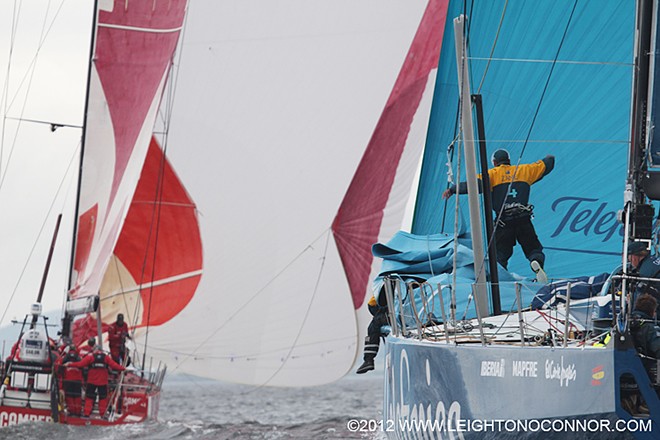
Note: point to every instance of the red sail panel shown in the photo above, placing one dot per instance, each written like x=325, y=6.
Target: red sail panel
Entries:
x=358, y=222
x=144, y=57
x=157, y=261
x=160, y=244
x=86, y=226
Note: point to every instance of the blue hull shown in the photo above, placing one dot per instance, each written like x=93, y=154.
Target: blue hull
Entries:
x=437, y=390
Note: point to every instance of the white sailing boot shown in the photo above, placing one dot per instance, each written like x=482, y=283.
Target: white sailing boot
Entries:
x=541, y=276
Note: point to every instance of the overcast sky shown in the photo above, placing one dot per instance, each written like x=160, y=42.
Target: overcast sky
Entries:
x=47, y=43
x=47, y=83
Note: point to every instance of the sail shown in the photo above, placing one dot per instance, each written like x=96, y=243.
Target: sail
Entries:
x=132, y=53
x=274, y=305
x=380, y=188
x=157, y=262
x=551, y=84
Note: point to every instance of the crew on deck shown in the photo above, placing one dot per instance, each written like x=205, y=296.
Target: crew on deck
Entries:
x=372, y=341
x=97, y=378
x=71, y=379
x=645, y=334
x=87, y=348
x=117, y=334
x=510, y=188
x=644, y=265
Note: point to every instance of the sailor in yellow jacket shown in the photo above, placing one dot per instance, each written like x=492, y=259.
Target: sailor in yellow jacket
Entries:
x=510, y=188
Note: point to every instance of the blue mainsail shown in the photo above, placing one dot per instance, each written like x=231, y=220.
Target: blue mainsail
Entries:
x=576, y=108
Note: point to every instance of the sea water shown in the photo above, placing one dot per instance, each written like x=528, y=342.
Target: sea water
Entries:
x=193, y=408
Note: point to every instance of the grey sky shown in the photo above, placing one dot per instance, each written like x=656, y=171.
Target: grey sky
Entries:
x=310, y=74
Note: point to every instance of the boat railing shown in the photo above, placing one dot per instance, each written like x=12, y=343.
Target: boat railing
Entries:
x=154, y=376
x=418, y=309
x=150, y=381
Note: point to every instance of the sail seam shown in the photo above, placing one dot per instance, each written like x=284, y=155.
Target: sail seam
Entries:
x=556, y=141
x=533, y=60
x=183, y=205
x=155, y=283
x=140, y=29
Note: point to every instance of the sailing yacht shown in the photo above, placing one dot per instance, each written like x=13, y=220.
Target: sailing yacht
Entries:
x=466, y=353
x=127, y=197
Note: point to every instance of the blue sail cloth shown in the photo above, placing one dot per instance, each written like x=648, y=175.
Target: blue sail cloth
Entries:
x=410, y=257
x=422, y=256
x=581, y=287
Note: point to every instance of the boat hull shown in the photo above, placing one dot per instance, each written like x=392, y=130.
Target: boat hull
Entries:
x=475, y=391
x=136, y=407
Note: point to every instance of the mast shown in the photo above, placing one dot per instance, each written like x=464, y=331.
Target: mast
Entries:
x=481, y=295
x=637, y=213
x=66, y=320
x=638, y=134
x=488, y=208
x=46, y=269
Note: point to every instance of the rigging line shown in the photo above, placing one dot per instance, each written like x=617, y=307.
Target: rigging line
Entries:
x=67, y=192
x=300, y=36
x=467, y=26
x=155, y=221
x=262, y=352
x=191, y=380
x=176, y=62
x=454, y=275
x=158, y=208
x=491, y=239
x=252, y=298
x=450, y=154
x=54, y=125
x=547, y=82
x=492, y=49
x=167, y=118
x=43, y=225
x=42, y=40
x=132, y=320
x=5, y=88
x=32, y=68
x=304, y=321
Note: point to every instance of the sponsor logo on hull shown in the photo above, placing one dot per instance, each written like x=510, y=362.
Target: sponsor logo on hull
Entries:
x=402, y=409
x=8, y=418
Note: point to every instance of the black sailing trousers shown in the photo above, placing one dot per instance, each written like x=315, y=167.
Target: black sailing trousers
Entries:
x=518, y=229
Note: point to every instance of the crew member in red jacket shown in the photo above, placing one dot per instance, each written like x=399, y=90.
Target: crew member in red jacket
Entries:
x=87, y=348
x=117, y=334
x=71, y=379
x=97, y=378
